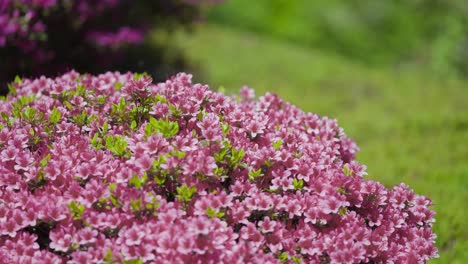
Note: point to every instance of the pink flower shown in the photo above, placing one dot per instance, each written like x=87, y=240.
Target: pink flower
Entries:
x=247, y=93
x=133, y=236
x=9, y=227
x=167, y=243
x=9, y=153
x=200, y=226
x=138, y=87
x=144, y=163
x=267, y=225
x=61, y=242
x=210, y=127
x=124, y=35
x=87, y=235
x=241, y=181
x=185, y=245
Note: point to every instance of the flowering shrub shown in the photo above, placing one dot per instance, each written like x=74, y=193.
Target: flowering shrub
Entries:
x=50, y=36
x=112, y=168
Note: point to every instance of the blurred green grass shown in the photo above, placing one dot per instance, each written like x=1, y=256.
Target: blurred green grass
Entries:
x=411, y=127
x=431, y=33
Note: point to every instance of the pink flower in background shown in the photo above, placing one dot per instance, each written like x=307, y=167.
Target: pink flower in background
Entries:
x=49, y=36
x=125, y=35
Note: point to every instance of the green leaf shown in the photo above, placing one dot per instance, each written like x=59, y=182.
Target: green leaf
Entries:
x=153, y=205
x=45, y=161
x=220, y=155
x=137, y=76
x=178, y=154
x=29, y=114
x=137, y=181
x=96, y=141
x=148, y=130
x=80, y=89
x=55, y=116
x=68, y=105
x=117, y=145
x=212, y=213
x=253, y=174
x=154, y=123
x=236, y=156
x=268, y=163
x=11, y=86
x=109, y=257
x=76, y=210
x=135, y=205
x=5, y=117
x=133, y=261
x=18, y=80
x=296, y=260
x=347, y=171
x=133, y=125
x=81, y=119
x=40, y=116
x=298, y=184
x=114, y=201
x=105, y=128
x=158, y=162
x=162, y=126
x=184, y=193
x=11, y=89
x=112, y=186
x=342, y=211
x=277, y=144
x=283, y=257
x=160, y=180
x=160, y=98
x=175, y=111
x=225, y=128
x=101, y=100
x=341, y=191
x=219, y=172
x=118, y=86
x=122, y=106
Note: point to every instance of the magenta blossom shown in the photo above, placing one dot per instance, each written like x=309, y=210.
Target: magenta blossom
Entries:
x=113, y=168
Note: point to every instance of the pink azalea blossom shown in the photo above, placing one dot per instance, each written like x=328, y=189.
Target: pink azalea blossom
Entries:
x=215, y=180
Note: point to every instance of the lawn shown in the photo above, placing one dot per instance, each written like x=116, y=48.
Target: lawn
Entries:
x=410, y=126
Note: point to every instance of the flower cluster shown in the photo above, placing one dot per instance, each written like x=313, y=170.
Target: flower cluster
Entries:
x=50, y=36
x=23, y=22
x=113, y=168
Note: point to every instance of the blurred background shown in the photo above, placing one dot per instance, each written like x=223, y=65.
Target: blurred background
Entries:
x=50, y=37
x=394, y=73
